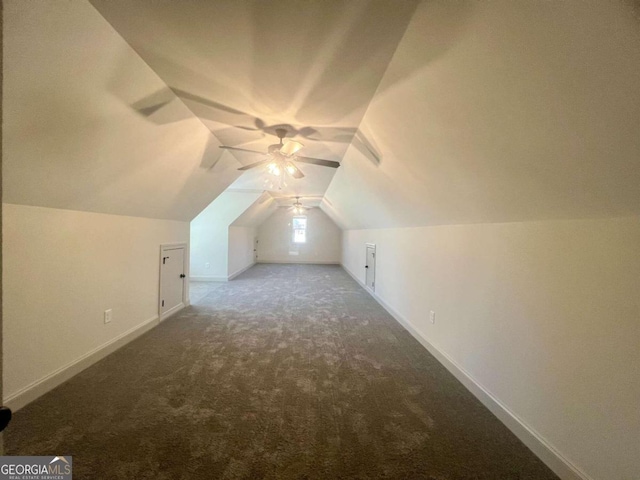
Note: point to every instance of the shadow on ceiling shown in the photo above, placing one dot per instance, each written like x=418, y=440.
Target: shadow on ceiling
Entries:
x=247, y=68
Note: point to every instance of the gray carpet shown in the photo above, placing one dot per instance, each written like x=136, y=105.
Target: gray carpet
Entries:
x=289, y=371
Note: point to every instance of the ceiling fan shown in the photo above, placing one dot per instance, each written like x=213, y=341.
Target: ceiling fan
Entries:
x=297, y=208
x=281, y=157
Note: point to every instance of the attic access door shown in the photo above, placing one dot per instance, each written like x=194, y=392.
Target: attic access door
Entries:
x=370, y=267
x=172, y=279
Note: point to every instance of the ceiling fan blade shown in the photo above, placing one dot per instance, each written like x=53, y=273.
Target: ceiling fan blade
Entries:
x=297, y=173
x=293, y=170
x=238, y=149
x=317, y=161
x=257, y=164
x=290, y=148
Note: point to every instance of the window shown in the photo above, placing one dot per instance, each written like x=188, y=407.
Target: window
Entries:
x=299, y=229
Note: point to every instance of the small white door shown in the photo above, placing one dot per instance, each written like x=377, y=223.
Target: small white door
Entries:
x=255, y=249
x=172, y=279
x=370, y=267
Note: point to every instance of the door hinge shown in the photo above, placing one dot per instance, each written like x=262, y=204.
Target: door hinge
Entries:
x=373, y=284
x=163, y=303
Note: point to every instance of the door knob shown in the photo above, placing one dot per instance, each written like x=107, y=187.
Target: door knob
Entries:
x=366, y=266
x=182, y=275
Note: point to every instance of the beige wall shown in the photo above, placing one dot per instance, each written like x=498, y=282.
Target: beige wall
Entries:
x=241, y=255
x=275, y=239
x=544, y=315
x=62, y=269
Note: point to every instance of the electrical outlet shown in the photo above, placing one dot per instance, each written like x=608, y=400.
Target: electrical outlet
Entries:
x=432, y=317
x=107, y=316
x=207, y=265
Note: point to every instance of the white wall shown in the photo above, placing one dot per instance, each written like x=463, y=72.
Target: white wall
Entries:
x=275, y=238
x=544, y=315
x=62, y=269
x=241, y=255
x=208, y=249
x=210, y=235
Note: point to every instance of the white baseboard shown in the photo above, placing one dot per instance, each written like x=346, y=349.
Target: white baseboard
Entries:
x=172, y=311
x=242, y=270
x=557, y=462
x=38, y=388
x=309, y=262
x=207, y=278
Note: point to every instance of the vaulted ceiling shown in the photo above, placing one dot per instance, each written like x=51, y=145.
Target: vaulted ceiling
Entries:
x=70, y=137
x=439, y=112
x=247, y=67
x=501, y=111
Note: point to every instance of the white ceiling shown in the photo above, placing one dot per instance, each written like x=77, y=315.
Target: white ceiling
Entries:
x=70, y=138
x=257, y=213
x=501, y=111
x=246, y=67
x=440, y=113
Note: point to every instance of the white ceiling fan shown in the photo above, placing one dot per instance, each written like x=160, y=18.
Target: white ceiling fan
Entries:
x=281, y=156
x=297, y=208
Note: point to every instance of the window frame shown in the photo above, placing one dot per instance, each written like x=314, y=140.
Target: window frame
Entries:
x=303, y=230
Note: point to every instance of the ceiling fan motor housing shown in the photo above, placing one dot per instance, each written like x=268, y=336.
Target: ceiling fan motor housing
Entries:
x=281, y=156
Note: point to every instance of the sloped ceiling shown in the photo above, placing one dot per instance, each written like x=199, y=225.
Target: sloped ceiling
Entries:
x=500, y=111
x=246, y=67
x=267, y=204
x=228, y=207
x=481, y=112
x=71, y=138
x=261, y=209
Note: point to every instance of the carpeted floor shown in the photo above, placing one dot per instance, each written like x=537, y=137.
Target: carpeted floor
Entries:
x=289, y=371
